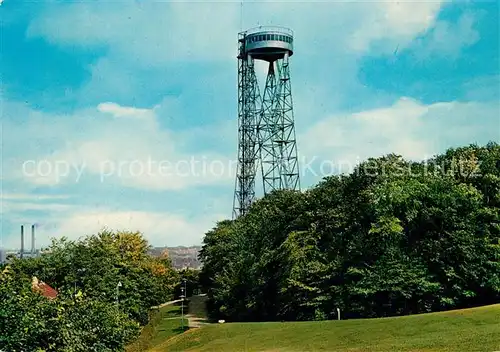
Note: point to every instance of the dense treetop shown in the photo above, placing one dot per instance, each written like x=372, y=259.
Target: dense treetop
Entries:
x=393, y=237
x=92, y=311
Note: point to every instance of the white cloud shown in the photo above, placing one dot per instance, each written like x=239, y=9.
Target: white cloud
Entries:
x=158, y=228
x=15, y=204
x=448, y=39
x=408, y=127
x=155, y=33
x=27, y=196
x=11, y=207
x=394, y=23
x=137, y=153
x=145, y=39
x=134, y=152
x=147, y=33
x=483, y=88
x=124, y=111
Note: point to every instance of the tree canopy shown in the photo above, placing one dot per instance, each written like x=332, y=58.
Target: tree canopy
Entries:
x=107, y=284
x=393, y=237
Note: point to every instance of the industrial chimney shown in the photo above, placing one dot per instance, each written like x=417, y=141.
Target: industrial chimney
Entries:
x=32, y=240
x=22, y=242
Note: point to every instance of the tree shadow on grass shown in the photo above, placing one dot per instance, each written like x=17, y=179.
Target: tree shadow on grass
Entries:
x=204, y=321
x=180, y=329
x=172, y=313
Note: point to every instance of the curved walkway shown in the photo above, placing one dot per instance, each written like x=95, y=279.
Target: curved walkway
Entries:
x=196, y=322
x=197, y=316
x=166, y=304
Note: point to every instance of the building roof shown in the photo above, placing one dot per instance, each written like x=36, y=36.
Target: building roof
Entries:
x=44, y=289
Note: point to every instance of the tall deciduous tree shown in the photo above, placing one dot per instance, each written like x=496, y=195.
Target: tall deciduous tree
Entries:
x=393, y=237
x=107, y=284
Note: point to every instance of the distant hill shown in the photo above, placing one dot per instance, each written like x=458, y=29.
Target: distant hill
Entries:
x=182, y=257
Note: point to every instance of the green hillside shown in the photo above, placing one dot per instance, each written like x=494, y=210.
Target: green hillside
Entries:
x=476, y=329
x=164, y=323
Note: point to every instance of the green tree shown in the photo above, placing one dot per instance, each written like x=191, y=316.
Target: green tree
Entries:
x=393, y=237
x=91, y=312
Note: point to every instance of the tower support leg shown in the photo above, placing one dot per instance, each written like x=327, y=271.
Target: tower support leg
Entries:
x=285, y=137
x=267, y=132
x=277, y=140
x=248, y=112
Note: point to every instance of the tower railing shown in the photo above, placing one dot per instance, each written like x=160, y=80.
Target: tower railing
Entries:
x=278, y=29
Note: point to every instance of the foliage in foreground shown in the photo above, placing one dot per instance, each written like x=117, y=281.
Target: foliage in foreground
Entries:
x=392, y=238
x=92, y=312
x=164, y=323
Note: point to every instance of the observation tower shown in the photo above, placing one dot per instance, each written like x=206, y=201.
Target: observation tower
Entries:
x=266, y=126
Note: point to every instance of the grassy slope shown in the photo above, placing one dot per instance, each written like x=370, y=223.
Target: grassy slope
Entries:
x=164, y=324
x=476, y=329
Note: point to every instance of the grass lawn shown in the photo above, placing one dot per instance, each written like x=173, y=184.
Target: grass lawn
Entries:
x=165, y=323
x=476, y=329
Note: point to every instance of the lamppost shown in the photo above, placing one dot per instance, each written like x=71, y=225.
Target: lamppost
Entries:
x=118, y=291
x=183, y=296
x=182, y=307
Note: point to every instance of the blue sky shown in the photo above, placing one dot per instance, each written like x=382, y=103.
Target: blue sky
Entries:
x=93, y=90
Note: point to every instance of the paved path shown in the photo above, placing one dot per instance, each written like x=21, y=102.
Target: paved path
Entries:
x=195, y=322
x=197, y=316
x=167, y=303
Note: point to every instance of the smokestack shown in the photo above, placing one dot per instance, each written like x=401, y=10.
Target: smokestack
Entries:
x=33, y=239
x=22, y=242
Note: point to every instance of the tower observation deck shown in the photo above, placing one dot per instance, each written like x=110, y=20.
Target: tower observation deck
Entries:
x=268, y=43
x=265, y=123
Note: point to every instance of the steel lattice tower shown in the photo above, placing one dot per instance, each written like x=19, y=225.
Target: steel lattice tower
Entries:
x=265, y=126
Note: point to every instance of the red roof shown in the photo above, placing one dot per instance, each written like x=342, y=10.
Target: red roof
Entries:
x=47, y=291
x=44, y=289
